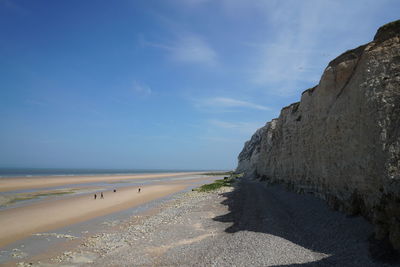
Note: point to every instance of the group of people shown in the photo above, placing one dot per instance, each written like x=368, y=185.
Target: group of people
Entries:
x=115, y=190
x=101, y=195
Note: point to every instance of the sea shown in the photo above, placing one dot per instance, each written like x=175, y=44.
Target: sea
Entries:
x=32, y=172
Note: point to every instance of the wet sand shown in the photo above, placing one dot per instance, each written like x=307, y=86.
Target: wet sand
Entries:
x=22, y=183
x=21, y=222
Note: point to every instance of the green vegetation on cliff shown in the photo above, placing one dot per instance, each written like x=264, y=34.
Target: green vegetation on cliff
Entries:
x=227, y=181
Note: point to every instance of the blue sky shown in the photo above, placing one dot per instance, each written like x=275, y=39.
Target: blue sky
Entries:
x=168, y=84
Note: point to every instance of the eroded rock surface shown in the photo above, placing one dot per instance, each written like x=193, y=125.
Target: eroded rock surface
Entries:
x=342, y=140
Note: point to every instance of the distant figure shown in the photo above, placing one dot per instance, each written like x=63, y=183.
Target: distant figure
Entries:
x=95, y=196
x=115, y=190
x=138, y=190
x=101, y=196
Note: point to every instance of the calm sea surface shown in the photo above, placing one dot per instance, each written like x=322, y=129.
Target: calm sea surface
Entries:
x=30, y=172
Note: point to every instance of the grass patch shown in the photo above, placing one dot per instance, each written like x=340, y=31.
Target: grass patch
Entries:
x=54, y=194
x=227, y=181
x=218, y=173
x=37, y=195
x=17, y=199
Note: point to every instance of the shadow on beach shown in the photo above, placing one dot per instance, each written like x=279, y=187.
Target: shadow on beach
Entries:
x=301, y=219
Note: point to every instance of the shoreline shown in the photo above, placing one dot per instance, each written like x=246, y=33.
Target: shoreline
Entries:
x=21, y=222
x=41, y=217
x=23, y=183
x=56, y=172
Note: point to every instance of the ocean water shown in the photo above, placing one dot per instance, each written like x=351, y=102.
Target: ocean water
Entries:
x=31, y=172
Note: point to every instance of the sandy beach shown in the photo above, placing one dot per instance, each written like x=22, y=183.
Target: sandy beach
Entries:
x=250, y=225
x=21, y=183
x=23, y=221
x=50, y=203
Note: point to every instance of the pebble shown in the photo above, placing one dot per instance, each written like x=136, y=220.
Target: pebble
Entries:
x=138, y=228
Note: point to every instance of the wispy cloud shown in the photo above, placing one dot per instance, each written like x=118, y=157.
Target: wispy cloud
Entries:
x=227, y=104
x=188, y=48
x=193, y=49
x=301, y=41
x=293, y=40
x=141, y=89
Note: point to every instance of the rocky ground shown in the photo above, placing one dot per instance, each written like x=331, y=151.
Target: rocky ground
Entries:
x=252, y=225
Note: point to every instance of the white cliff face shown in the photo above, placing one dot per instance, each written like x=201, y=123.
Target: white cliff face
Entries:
x=342, y=140
x=248, y=158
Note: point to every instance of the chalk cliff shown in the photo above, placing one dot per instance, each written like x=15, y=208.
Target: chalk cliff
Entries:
x=341, y=142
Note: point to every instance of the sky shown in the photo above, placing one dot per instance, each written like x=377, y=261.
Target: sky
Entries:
x=161, y=84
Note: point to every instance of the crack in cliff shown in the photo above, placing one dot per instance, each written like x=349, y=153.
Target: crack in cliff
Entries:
x=358, y=58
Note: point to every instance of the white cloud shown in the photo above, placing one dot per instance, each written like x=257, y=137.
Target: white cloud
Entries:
x=290, y=57
x=141, y=89
x=293, y=40
x=300, y=40
x=228, y=104
x=188, y=48
x=193, y=49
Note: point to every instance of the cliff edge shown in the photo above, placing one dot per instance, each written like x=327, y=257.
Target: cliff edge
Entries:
x=341, y=142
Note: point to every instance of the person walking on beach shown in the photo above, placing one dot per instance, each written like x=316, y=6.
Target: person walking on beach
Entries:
x=101, y=195
x=95, y=196
x=138, y=190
